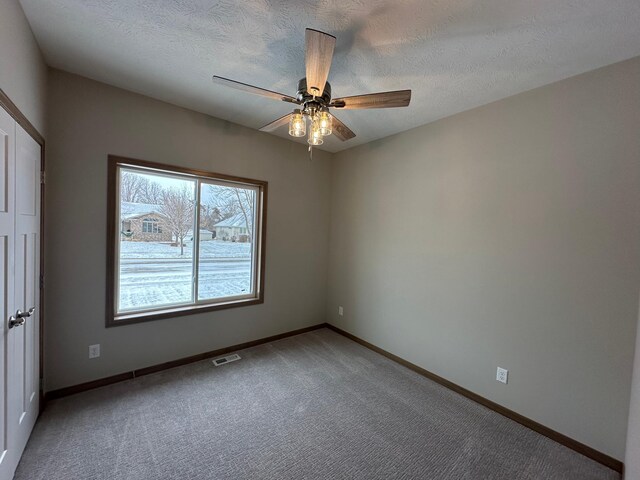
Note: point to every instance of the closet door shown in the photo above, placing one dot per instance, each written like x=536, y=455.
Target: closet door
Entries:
x=19, y=290
x=23, y=360
x=8, y=458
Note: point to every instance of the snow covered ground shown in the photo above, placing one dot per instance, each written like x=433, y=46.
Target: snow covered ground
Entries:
x=154, y=274
x=208, y=249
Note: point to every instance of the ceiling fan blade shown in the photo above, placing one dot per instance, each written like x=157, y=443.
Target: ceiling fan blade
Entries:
x=270, y=127
x=254, y=90
x=341, y=131
x=398, y=98
x=318, y=56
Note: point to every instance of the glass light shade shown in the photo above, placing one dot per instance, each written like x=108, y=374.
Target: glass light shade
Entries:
x=324, y=123
x=297, y=124
x=315, y=137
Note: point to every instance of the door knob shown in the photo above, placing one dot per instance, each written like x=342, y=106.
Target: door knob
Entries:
x=15, y=322
x=20, y=317
x=28, y=313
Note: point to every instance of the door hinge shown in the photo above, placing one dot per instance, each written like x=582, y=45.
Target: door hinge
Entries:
x=41, y=282
x=42, y=177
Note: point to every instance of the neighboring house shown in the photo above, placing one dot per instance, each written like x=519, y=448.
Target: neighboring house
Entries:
x=233, y=228
x=143, y=222
x=204, y=235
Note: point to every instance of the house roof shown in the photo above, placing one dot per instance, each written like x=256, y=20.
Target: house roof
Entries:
x=237, y=220
x=132, y=210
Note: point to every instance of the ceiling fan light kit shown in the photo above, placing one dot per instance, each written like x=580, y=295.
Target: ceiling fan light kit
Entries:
x=297, y=124
x=319, y=125
x=324, y=122
x=314, y=96
x=315, y=137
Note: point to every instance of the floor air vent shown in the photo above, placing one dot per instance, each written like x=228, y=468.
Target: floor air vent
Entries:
x=228, y=359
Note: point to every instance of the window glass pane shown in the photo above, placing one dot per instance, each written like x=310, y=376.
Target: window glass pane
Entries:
x=227, y=223
x=155, y=240
x=183, y=241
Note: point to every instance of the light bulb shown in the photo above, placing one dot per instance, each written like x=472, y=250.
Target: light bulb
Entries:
x=297, y=124
x=324, y=120
x=315, y=137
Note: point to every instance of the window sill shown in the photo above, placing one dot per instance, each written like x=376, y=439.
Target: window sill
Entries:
x=138, y=317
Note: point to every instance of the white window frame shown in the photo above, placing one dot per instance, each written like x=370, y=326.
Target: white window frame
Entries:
x=154, y=223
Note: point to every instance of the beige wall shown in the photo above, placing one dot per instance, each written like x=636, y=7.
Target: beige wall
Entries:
x=632, y=455
x=89, y=120
x=23, y=73
x=507, y=235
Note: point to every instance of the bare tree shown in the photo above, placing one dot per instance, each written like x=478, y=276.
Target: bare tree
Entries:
x=151, y=192
x=209, y=216
x=232, y=200
x=138, y=189
x=131, y=187
x=245, y=200
x=177, y=208
x=226, y=202
x=222, y=202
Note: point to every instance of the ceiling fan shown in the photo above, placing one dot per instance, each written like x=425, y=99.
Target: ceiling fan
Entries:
x=314, y=96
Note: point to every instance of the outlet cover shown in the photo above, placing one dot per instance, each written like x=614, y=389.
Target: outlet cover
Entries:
x=502, y=375
x=340, y=311
x=94, y=350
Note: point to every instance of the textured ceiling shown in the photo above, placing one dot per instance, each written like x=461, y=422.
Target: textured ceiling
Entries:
x=453, y=54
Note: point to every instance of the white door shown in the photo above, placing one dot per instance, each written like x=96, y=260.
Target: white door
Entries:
x=23, y=360
x=8, y=461
x=19, y=287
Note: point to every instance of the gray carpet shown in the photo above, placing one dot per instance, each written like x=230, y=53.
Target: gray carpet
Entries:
x=314, y=406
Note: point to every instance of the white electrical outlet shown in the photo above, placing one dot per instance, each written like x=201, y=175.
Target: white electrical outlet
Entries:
x=340, y=311
x=94, y=350
x=502, y=375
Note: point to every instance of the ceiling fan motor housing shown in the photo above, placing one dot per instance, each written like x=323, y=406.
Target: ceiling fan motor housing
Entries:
x=305, y=97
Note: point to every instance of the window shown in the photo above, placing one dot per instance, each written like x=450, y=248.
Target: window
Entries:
x=181, y=241
x=150, y=225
